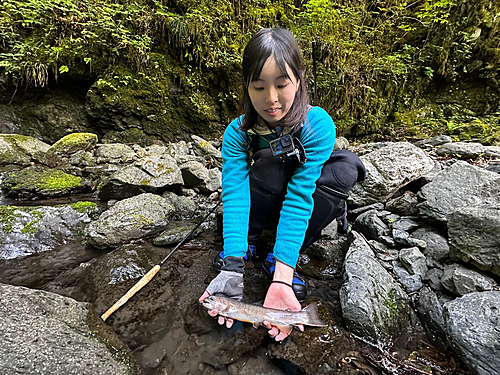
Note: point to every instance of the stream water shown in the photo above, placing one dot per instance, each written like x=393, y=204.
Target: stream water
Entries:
x=169, y=333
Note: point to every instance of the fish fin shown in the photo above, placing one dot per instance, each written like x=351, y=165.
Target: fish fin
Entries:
x=312, y=314
x=256, y=324
x=285, y=329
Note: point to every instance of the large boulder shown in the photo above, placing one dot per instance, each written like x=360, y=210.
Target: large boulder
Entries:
x=30, y=230
x=20, y=149
x=474, y=234
x=153, y=174
x=373, y=303
x=461, y=185
x=130, y=219
x=45, y=333
x=387, y=169
x=38, y=182
x=472, y=328
x=71, y=143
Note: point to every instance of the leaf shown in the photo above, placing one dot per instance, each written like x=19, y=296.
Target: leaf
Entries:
x=63, y=69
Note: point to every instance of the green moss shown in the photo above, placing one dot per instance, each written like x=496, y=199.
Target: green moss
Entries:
x=142, y=220
x=7, y=215
x=74, y=142
x=84, y=207
x=58, y=180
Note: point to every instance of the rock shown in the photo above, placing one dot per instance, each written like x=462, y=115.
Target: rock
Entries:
x=414, y=261
x=472, y=323
x=430, y=312
x=44, y=333
x=437, y=248
x=133, y=218
x=41, y=182
x=433, y=278
x=184, y=206
x=30, y=230
x=20, y=149
x=387, y=169
x=373, y=304
x=495, y=167
x=460, y=280
x=492, y=151
x=115, y=153
x=371, y=226
x=153, y=174
x=72, y=143
x=474, y=233
x=434, y=141
x=411, y=282
x=341, y=143
x=464, y=150
x=404, y=205
x=454, y=187
x=203, y=148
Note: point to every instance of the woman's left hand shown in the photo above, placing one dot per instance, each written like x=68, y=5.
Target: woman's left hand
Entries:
x=280, y=296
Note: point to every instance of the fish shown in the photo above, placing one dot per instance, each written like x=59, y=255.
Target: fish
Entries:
x=256, y=315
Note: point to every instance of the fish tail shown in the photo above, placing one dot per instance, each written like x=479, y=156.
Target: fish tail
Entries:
x=313, y=316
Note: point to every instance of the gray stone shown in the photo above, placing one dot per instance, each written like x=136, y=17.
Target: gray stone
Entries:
x=388, y=169
x=20, y=149
x=404, y=205
x=30, y=230
x=360, y=210
x=437, y=248
x=414, y=261
x=133, y=218
x=463, y=150
x=472, y=323
x=45, y=333
x=456, y=186
x=370, y=225
x=411, y=282
x=460, y=280
x=373, y=304
x=474, y=234
x=433, y=278
x=341, y=143
x=114, y=153
x=495, y=167
x=430, y=312
x=434, y=141
x=492, y=151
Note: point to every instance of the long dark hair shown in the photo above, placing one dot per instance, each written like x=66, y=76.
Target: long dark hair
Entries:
x=281, y=44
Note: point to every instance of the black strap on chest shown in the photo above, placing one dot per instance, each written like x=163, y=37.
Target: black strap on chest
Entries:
x=295, y=152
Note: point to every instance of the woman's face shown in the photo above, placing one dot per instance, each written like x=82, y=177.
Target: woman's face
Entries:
x=273, y=93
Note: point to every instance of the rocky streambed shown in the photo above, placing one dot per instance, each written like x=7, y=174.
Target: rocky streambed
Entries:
x=412, y=289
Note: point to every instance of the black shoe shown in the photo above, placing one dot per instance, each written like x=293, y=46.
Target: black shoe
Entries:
x=218, y=260
x=298, y=284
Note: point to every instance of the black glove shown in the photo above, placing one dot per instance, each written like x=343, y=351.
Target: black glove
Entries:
x=229, y=282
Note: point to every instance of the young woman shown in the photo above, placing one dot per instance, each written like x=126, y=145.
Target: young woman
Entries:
x=273, y=157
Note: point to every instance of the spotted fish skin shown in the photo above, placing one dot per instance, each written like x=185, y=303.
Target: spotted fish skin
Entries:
x=256, y=315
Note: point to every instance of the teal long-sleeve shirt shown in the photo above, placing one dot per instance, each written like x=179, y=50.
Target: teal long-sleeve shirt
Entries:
x=318, y=139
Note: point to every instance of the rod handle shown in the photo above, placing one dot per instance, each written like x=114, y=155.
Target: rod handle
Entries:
x=140, y=284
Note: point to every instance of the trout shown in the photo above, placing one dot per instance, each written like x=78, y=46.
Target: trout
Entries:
x=256, y=315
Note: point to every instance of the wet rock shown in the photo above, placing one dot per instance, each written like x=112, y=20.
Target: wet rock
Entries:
x=373, y=304
x=20, y=149
x=430, y=312
x=387, y=169
x=495, y=167
x=133, y=218
x=184, y=206
x=472, y=329
x=195, y=175
x=31, y=230
x=383, y=252
x=456, y=186
x=474, y=234
x=460, y=280
x=38, y=182
x=82, y=159
x=42, y=332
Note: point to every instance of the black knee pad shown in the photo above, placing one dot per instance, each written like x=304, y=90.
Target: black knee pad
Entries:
x=342, y=171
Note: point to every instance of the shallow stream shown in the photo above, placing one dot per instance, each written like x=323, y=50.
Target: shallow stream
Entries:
x=169, y=333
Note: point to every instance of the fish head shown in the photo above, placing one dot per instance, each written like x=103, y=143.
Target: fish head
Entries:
x=214, y=303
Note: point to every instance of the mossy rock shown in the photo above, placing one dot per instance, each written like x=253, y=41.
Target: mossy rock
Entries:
x=40, y=182
x=20, y=149
x=72, y=143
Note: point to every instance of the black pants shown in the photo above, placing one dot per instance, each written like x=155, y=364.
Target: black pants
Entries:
x=268, y=183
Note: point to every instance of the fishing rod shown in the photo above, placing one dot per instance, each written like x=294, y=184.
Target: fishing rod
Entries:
x=147, y=277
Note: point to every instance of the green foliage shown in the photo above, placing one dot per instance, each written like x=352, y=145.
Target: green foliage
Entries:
x=375, y=59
